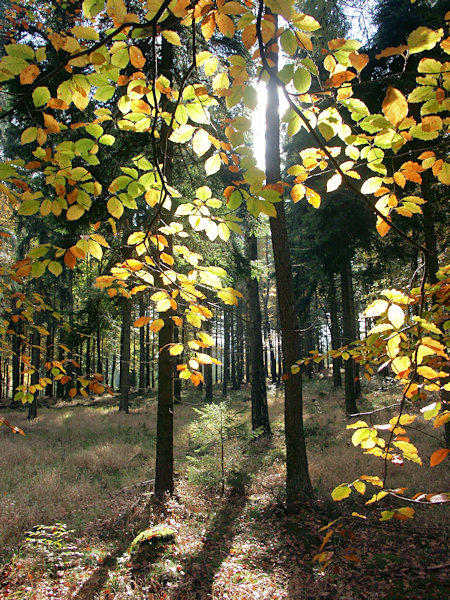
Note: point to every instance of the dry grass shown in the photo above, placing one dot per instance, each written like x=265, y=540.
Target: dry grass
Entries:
x=73, y=460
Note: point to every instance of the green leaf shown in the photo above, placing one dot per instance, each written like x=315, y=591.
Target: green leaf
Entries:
x=107, y=140
x=104, y=93
x=197, y=113
x=28, y=135
x=235, y=200
x=213, y=164
x=91, y=8
x=41, y=96
x=371, y=185
x=302, y=80
x=55, y=268
x=29, y=207
x=288, y=42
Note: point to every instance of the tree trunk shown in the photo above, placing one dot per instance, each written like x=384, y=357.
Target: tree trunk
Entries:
x=142, y=333
x=335, y=337
x=35, y=361
x=347, y=334
x=164, y=427
x=226, y=352
x=260, y=413
x=125, y=354
x=298, y=484
x=207, y=370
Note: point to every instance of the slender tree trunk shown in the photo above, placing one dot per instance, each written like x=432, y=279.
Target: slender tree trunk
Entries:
x=226, y=352
x=355, y=329
x=233, y=351
x=207, y=370
x=125, y=355
x=16, y=344
x=348, y=330
x=335, y=337
x=260, y=413
x=98, y=339
x=35, y=361
x=142, y=334
x=298, y=484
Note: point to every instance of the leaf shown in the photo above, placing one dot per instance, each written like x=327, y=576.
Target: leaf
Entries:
x=156, y=325
x=360, y=487
x=422, y=39
x=372, y=185
x=213, y=164
x=41, y=95
x=91, y=8
x=117, y=10
x=142, y=321
x=288, y=42
x=201, y=142
x=438, y=456
x=137, y=59
x=377, y=308
x=75, y=212
x=55, y=268
x=172, y=37
x=85, y=33
x=302, y=80
x=176, y=349
x=340, y=492
x=396, y=316
x=312, y=197
x=29, y=207
x=115, y=207
x=395, y=106
x=28, y=135
x=29, y=74
x=298, y=192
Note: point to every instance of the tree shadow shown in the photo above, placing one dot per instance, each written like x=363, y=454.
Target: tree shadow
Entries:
x=201, y=567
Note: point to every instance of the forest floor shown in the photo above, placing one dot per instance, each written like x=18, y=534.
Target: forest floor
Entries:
x=83, y=471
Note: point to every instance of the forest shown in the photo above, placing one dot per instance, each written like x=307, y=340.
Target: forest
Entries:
x=224, y=296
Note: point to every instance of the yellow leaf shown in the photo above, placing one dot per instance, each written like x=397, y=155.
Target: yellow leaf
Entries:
x=444, y=174
x=400, y=364
x=382, y=227
x=176, y=349
x=172, y=37
x=340, y=492
x=423, y=38
x=152, y=197
x=298, y=192
x=395, y=106
x=407, y=511
x=427, y=372
x=75, y=212
x=313, y=197
x=157, y=324
x=396, y=315
x=438, y=456
x=360, y=487
x=117, y=10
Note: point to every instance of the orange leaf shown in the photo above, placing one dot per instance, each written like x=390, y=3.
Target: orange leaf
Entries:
x=69, y=259
x=73, y=392
x=391, y=51
x=359, y=61
x=141, y=321
x=438, y=456
x=137, y=59
x=382, y=227
x=29, y=74
x=395, y=106
x=51, y=124
x=339, y=78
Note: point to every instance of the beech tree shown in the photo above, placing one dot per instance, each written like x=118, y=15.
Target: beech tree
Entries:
x=86, y=83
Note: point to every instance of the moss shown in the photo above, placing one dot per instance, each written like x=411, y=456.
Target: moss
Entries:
x=149, y=544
